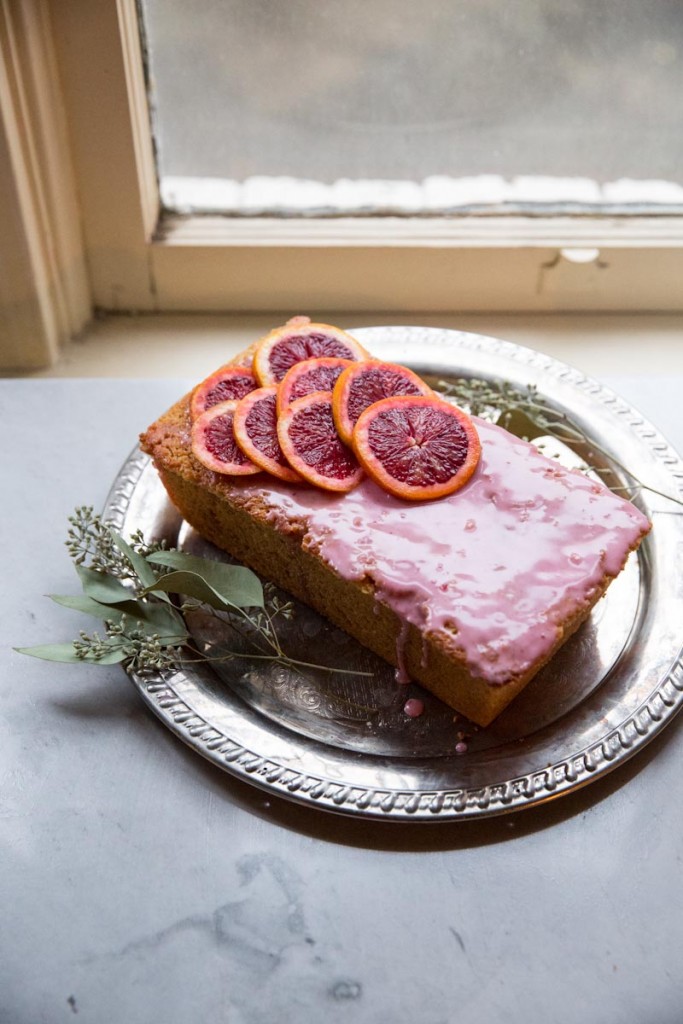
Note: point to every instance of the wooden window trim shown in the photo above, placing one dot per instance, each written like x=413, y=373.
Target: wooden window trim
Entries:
x=44, y=290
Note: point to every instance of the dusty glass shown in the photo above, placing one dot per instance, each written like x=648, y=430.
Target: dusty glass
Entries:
x=579, y=102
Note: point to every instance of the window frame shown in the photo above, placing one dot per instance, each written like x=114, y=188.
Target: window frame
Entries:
x=44, y=288
x=143, y=259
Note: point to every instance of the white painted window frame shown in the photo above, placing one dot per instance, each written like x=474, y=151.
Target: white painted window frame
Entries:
x=44, y=289
x=141, y=259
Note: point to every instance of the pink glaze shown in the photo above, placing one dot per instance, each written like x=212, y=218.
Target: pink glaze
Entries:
x=497, y=564
x=413, y=707
x=401, y=673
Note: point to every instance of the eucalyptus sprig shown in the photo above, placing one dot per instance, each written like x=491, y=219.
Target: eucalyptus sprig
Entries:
x=526, y=414
x=126, y=585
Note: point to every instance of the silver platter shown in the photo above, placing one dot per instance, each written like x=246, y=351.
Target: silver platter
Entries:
x=343, y=743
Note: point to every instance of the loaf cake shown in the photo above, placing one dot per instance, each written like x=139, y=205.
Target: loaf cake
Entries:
x=470, y=594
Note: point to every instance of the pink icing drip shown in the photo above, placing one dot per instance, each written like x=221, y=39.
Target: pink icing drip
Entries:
x=498, y=563
x=413, y=707
x=401, y=673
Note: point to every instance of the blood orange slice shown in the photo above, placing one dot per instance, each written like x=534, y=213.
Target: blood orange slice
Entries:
x=256, y=433
x=417, y=447
x=308, y=376
x=300, y=339
x=310, y=441
x=213, y=441
x=363, y=384
x=226, y=383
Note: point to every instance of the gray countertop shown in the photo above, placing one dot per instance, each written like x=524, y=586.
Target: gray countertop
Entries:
x=139, y=883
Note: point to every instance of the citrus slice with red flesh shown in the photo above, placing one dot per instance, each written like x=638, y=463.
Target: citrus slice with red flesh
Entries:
x=214, y=445
x=363, y=384
x=417, y=447
x=308, y=376
x=255, y=429
x=310, y=441
x=227, y=383
x=298, y=340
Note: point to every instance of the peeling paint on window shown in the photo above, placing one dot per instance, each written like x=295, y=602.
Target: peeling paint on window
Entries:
x=436, y=195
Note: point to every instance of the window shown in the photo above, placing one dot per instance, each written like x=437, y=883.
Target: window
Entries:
x=381, y=107
x=437, y=118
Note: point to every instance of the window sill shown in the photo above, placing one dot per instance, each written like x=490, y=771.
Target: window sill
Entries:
x=192, y=345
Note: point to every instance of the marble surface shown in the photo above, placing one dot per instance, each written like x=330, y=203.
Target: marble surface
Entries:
x=138, y=883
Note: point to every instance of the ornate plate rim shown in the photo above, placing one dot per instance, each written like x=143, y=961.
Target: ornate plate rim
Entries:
x=449, y=803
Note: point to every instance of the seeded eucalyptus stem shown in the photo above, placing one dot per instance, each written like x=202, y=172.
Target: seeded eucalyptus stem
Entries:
x=126, y=585
x=281, y=659
x=267, y=633
x=502, y=400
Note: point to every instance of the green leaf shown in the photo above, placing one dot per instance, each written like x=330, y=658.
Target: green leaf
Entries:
x=88, y=606
x=102, y=587
x=191, y=584
x=235, y=584
x=160, y=619
x=66, y=654
x=144, y=571
x=519, y=424
x=142, y=568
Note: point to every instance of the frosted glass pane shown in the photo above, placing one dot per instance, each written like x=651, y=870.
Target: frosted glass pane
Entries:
x=410, y=90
